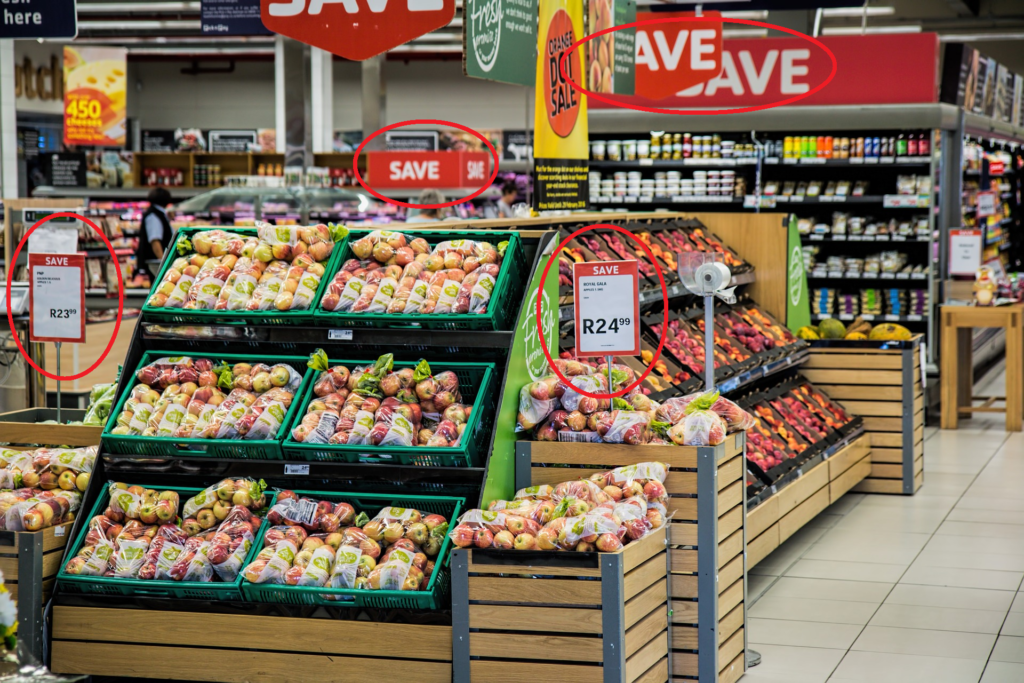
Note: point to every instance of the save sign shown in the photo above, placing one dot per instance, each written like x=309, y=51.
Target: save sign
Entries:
x=675, y=56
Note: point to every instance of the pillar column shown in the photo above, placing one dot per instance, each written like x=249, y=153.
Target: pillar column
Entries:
x=374, y=100
x=293, y=101
x=8, y=123
x=322, y=70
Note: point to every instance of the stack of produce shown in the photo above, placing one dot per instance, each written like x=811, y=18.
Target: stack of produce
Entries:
x=601, y=513
x=376, y=405
x=325, y=544
x=47, y=469
x=185, y=397
x=138, y=536
x=394, y=274
x=279, y=269
x=558, y=412
x=101, y=402
x=687, y=345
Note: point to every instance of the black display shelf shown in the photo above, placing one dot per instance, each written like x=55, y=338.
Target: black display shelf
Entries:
x=867, y=317
x=898, y=239
x=855, y=161
x=883, y=279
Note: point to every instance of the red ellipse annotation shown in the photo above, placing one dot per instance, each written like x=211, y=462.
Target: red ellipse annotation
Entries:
x=426, y=122
x=701, y=112
x=664, y=298
x=120, y=296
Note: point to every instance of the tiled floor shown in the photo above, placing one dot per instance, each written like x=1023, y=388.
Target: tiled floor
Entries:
x=885, y=589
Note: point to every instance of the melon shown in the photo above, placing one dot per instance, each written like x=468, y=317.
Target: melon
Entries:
x=856, y=335
x=889, y=332
x=808, y=333
x=831, y=329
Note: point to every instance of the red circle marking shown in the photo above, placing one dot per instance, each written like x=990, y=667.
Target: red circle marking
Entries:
x=429, y=122
x=664, y=298
x=120, y=296
x=701, y=112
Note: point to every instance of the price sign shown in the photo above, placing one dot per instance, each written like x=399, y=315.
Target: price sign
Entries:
x=964, y=251
x=607, y=305
x=986, y=204
x=57, y=297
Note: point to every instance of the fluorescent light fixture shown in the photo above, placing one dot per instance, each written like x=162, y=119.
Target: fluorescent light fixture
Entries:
x=978, y=37
x=745, y=33
x=869, y=30
x=144, y=25
x=440, y=38
x=123, y=7
x=857, y=11
x=755, y=15
x=452, y=49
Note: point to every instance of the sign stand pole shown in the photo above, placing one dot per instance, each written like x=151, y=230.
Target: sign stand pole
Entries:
x=58, y=381
x=709, y=342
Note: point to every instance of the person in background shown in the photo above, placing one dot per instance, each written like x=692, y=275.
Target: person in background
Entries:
x=428, y=196
x=509, y=192
x=155, y=235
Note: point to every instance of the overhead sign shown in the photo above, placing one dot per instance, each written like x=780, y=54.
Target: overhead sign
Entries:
x=411, y=140
x=232, y=18
x=766, y=70
x=499, y=40
x=56, y=298
x=965, y=247
x=427, y=169
x=607, y=307
x=231, y=140
x=34, y=19
x=95, y=96
x=610, y=57
x=561, y=148
x=356, y=29
x=673, y=57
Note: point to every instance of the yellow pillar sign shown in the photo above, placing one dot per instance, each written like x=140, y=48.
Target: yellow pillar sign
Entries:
x=561, y=146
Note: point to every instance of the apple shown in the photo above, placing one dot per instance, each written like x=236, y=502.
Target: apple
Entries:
x=335, y=540
x=418, y=533
x=483, y=538
x=584, y=547
x=221, y=510
x=517, y=525
x=147, y=513
x=312, y=543
x=462, y=536
x=225, y=489
x=262, y=382
x=30, y=479
x=654, y=489
x=47, y=481
x=608, y=543
x=33, y=520
x=393, y=532
x=263, y=252
x=366, y=565
x=279, y=375
x=504, y=540
x=525, y=542
x=614, y=492
x=206, y=519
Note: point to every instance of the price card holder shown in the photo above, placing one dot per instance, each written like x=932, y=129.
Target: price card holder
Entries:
x=57, y=298
x=607, y=308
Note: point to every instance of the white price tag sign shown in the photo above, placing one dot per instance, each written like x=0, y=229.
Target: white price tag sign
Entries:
x=965, y=247
x=607, y=304
x=57, y=298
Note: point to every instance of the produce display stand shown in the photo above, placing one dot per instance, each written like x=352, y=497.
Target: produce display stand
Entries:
x=30, y=561
x=881, y=381
x=22, y=427
x=804, y=493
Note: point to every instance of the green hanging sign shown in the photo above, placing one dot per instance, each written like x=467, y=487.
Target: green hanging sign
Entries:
x=526, y=364
x=499, y=40
x=798, y=302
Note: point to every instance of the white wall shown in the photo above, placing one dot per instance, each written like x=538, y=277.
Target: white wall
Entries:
x=160, y=96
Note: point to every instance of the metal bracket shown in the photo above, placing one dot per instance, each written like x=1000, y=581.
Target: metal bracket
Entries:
x=613, y=618
x=707, y=563
x=30, y=593
x=524, y=464
x=460, y=616
x=909, y=388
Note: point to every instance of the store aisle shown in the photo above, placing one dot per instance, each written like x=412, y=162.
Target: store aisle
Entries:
x=903, y=590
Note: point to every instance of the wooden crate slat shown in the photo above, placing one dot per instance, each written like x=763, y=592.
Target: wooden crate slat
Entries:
x=643, y=604
x=683, y=508
x=728, y=472
x=882, y=377
x=886, y=455
x=730, y=496
x=646, y=629
x=728, y=650
x=526, y=646
x=643, y=576
x=515, y=618
x=51, y=541
x=873, y=408
x=731, y=571
x=684, y=638
x=684, y=612
x=802, y=488
x=841, y=461
x=684, y=586
x=534, y=590
x=730, y=548
x=879, y=486
x=682, y=533
x=730, y=522
x=146, y=661
x=883, y=471
x=638, y=552
x=732, y=672
x=760, y=547
x=684, y=664
x=730, y=623
x=649, y=655
x=503, y=672
x=844, y=361
x=859, y=392
x=683, y=561
x=850, y=478
x=730, y=597
x=656, y=674
x=539, y=569
x=883, y=424
x=803, y=513
x=609, y=455
x=763, y=516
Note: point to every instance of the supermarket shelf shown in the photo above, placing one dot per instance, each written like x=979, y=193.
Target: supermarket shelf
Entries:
x=856, y=161
x=99, y=300
x=888, y=201
x=863, y=238
x=675, y=163
x=118, y=251
x=762, y=371
x=886, y=278
x=664, y=200
x=867, y=317
x=114, y=192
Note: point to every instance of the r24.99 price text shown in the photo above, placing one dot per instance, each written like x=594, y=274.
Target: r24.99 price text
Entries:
x=602, y=326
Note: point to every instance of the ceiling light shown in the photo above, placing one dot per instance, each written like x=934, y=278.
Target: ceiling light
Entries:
x=755, y=15
x=121, y=7
x=858, y=11
x=144, y=25
x=745, y=33
x=857, y=30
x=978, y=37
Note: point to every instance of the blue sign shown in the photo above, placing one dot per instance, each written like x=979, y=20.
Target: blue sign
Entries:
x=32, y=19
x=233, y=18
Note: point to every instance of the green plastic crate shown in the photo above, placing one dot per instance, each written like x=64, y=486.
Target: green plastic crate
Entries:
x=502, y=309
x=478, y=387
x=371, y=503
x=193, y=590
x=152, y=446
x=271, y=317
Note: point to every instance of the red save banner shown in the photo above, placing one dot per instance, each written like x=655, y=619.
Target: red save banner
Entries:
x=355, y=29
x=428, y=169
x=872, y=70
x=674, y=57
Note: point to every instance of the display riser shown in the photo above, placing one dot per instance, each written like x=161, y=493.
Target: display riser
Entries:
x=784, y=513
x=884, y=385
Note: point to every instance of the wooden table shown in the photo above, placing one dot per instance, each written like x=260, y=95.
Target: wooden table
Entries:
x=958, y=323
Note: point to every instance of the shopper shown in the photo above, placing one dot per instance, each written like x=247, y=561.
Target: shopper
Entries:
x=155, y=235
x=509, y=193
x=428, y=196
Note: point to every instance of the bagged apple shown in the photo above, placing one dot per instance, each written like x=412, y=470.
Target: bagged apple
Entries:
x=271, y=564
x=347, y=562
x=92, y=560
x=245, y=492
x=396, y=574
x=318, y=570
x=331, y=379
x=625, y=426
x=131, y=555
x=701, y=426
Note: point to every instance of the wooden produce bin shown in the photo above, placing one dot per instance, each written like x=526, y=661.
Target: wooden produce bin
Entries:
x=881, y=381
x=243, y=647
x=600, y=617
x=30, y=561
x=804, y=493
x=704, y=588
x=21, y=427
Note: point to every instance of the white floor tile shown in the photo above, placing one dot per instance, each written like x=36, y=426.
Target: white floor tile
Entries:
x=806, y=609
x=786, y=664
x=932, y=557
x=912, y=641
x=1011, y=532
x=947, y=596
x=938, y=618
x=830, y=589
x=846, y=571
x=963, y=578
x=1014, y=624
x=1003, y=672
x=984, y=516
x=1009, y=649
x=802, y=633
x=882, y=667
x=1018, y=603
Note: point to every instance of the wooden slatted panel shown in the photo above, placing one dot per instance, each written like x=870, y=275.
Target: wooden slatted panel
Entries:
x=683, y=638
x=526, y=646
x=802, y=488
x=643, y=604
x=656, y=674
x=729, y=648
x=761, y=546
x=865, y=361
x=646, y=657
x=638, y=552
x=729, y=472
x=873, y=408
x=730, y=572
x=841, y=461
x=730, y=597
x=855, y=392
x=850, y=478
x=729, y=522
x=682, y=533
x=683, y=586
x=730, y=623
x=553, y=619
x=684, y=664
x=504, y=672
x=732, y=672
x=880, y=377
x=803, y=513
x=730, y=548
x=890, y=440
x=645, y=631
x=542, y=591
x=763, y=516
x=643, y=576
